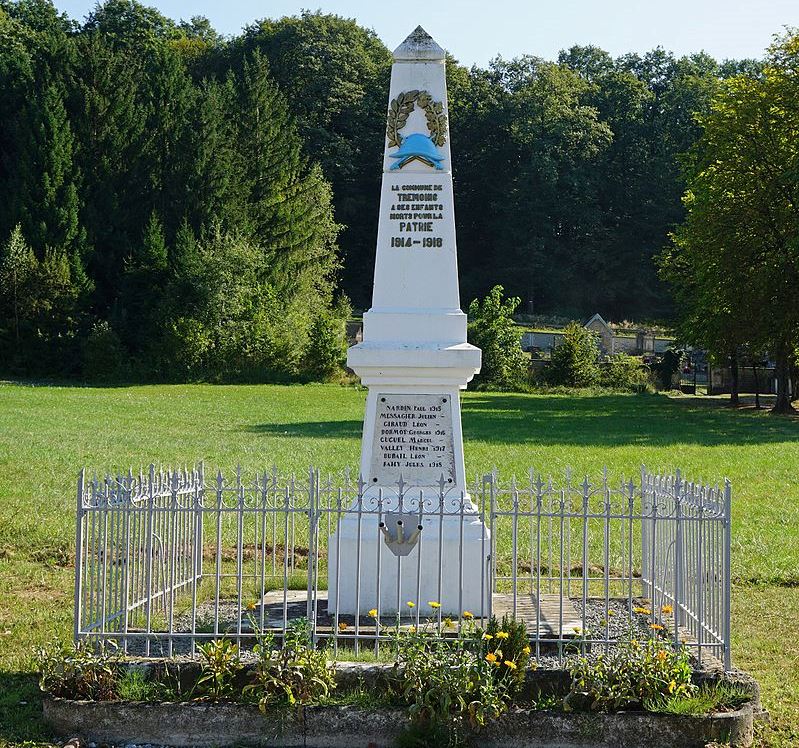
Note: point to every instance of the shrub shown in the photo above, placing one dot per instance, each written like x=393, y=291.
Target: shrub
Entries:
x=623, y=372
x=103, y=354
x=327, y=347
x=492, y=329
x=575, y=362
x=632, y=674
x=79, y=670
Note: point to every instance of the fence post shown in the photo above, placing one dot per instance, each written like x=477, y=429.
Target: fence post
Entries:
x=149, y=560
x=492, y=551
x=646, y=587
x=79, y=556
x=678, y=562
x=727, y=572
x=309, y=581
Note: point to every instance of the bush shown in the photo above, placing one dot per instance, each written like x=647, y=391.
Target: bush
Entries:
x=492, y=329
x=623, y=372
x=327, y=347
x=104, y=358
x=575, y=362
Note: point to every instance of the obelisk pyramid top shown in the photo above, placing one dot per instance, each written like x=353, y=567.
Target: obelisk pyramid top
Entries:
x=419, y=46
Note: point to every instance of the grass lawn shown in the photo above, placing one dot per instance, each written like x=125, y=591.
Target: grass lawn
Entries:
x=48, y=433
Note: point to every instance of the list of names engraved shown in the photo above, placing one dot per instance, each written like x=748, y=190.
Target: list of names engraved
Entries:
x=413, y=438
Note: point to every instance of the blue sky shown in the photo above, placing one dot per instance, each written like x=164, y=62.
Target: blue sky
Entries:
x=477, y=30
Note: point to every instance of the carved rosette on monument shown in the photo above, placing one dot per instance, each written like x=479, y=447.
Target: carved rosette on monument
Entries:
x=414, y=359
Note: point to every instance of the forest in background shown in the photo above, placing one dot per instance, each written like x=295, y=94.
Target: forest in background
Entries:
x=179, y=205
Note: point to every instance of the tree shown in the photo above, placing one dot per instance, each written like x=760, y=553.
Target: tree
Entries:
x=574, y=361
x=492, y=329
x=334, y=74
x=18, y=267
x=733, y=262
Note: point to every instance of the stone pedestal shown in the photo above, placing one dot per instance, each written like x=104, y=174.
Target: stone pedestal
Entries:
x=414, y=359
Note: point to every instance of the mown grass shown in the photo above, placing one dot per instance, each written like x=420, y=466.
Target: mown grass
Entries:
x=48, y=433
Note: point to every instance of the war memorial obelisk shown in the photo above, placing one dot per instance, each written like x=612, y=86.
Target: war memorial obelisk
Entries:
x=414, y=359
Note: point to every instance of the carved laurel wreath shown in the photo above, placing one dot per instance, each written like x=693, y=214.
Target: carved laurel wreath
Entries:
x=400, y=109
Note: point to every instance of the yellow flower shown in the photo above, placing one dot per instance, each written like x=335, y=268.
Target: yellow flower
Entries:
x=411, y=604
x=642, y=611
x=448, y=624
x=411, y=629
x=510, y=664
x=577, y=630
x=502, y=634
x=467, y=614
x=434, y=604
x=250, y=606
x=662, y=655
x=342, y=626
x=373, y=612
x=672, y=686
x=656, y=627
x=667, y=609
x=491, y=657
x=487, y=637
x=611, y=612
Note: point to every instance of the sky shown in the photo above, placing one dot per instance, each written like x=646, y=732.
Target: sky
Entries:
x=475, y=31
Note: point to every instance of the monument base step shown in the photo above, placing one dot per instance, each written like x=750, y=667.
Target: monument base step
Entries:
x=550, y=617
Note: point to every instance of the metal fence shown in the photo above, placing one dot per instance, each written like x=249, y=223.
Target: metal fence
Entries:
x=168, y=559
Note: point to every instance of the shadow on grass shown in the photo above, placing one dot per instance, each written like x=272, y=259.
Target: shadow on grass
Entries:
x=599, y=420
x=21, y=709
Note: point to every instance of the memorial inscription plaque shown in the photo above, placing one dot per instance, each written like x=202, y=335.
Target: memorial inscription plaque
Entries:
x=413, y=439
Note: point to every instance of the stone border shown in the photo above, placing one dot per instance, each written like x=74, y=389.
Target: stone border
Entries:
x=220, y=724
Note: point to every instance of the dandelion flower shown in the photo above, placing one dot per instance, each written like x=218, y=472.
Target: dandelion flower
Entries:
x=250, y=606
x=411, y=629
x=502, y=634
x=434, y=604
x=491, y=657
x=667, y=609
x=487, y=637
x=510, y=664
x=656, y=627
x=467, y=614
x=526, y=650
x=643, y=611
x=373, y=612
x=448, y=624
x=411, y=604
x=662, y=655
x=342, y=626
x=611, y=612
x=672, y=686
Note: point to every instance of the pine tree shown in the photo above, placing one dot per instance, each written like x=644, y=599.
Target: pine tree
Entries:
x=18, y=267
x=48, y=192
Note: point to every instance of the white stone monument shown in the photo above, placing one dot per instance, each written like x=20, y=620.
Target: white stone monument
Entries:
x=414, y=359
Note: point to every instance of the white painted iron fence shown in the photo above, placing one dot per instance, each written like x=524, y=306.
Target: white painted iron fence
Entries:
x=168, y=559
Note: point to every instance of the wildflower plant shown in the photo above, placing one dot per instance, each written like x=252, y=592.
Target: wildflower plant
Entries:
x=294, y=675
x=221, y=663
x=80, y=670
x=462, y=682
x=632, y=674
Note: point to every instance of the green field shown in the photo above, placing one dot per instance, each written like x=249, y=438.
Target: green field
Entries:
x=48, y=433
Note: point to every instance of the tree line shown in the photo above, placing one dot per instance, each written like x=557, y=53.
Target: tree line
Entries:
x=183, y=205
